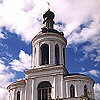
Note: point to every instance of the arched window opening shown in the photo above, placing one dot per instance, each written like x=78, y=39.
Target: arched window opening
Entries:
x=44, y=91
x=34, y=51
x=18, y=95
x=72, y=91
x=85, y=91
x=56, y=54
x=64, y=55
x=44, y=54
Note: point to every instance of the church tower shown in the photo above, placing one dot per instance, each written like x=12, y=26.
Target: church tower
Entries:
x=49, y=45
x=49, y=79
x=48, y=60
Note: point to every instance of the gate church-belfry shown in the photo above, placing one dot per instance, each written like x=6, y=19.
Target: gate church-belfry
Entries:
x=49, y=79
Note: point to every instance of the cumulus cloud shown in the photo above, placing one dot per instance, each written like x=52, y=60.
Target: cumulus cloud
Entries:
x=97, y=91
x=78, y=12
x=21, y=16
x=95, y=73
x=93, y=46
x=24, y=16
x=2, y=66
x=24, y=62
x=5, y=75
x=5, y=78
x=4, y=95
x=1, y=35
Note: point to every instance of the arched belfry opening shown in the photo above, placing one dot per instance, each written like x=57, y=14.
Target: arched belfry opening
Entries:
x=44, y=54
x=57, y=54
x=44, y=90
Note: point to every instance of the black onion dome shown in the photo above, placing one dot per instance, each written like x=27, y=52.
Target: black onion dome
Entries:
x=49, y=15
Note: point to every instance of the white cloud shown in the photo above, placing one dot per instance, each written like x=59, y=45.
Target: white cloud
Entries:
x=23, y=63
x=92, y=72
x=4, y=95
x=95, y=73
x=5, y=78
x=2, y=66
x=2, y=36
x=5, y=75
x=74, y=13
x=21, y=16
x=94, y=45
x=97, y=59
x=97, y=91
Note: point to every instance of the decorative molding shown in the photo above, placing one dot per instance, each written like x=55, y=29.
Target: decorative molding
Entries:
x=46, y=68
x=16, y=84
x=40, y=35
x=79, y=77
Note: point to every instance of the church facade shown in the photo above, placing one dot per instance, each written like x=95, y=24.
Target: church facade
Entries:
x=49, y=79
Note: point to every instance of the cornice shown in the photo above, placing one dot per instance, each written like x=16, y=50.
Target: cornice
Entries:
x=78, y=76
x=40, y=35
x=43, y=69
x=16, y=84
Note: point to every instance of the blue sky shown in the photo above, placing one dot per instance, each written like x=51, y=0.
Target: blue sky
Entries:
x=21, y=20
x=78, y=59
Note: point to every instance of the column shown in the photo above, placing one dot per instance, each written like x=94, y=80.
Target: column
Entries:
x=32, y=88
x=38, y=55
x=10, y=96
x=33, y=59
x=28, y=89
x=62, y=86
x=60, y=54
x=67, y=90
x=54, y=87
x=51, y=53
x=15, y=95
x=41, y=94
x=25, y=93
x=75, y=90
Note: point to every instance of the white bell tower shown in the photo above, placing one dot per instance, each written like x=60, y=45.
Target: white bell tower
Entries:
x=49, y=45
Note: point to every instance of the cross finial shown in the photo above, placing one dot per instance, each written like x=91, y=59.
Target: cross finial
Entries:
x=48, y=4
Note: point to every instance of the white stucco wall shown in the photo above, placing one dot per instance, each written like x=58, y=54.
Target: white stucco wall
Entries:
x=79, y=87
x=60, y=86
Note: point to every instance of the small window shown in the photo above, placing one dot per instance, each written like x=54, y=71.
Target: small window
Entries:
x=72, y=91
x=18, y=95
x=85, y=91
x=56, y=54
